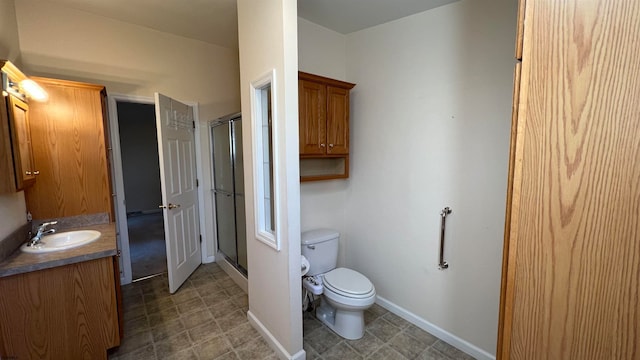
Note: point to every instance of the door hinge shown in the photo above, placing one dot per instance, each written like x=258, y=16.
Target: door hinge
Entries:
x=200, y=238
x=197, y=183
x=194, y=124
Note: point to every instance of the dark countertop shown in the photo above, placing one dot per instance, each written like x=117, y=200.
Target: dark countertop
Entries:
x=20, y=262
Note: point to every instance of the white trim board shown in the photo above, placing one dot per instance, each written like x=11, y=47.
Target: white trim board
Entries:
x=271, y=340
x=434, y=330
x=118, y=181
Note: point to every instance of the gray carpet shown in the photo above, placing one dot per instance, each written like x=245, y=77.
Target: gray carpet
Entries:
x=147, y=245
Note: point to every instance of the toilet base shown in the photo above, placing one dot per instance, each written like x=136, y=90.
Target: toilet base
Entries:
x=347, y=324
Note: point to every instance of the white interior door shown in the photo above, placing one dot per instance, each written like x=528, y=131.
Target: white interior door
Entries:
x=176, y=147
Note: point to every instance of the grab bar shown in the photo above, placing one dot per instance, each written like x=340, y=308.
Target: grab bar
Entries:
x=446, y=211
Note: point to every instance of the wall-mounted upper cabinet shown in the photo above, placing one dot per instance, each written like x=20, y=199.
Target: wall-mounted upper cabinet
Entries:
x=324, y=127
x=70, y=148
x=17, y=167
x=25, y=170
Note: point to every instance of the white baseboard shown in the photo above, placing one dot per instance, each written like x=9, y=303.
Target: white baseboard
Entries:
x=436, y=331
x=233, y=273
x=271, y=340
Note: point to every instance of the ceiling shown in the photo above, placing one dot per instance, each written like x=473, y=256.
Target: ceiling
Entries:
x=215, y=21
x=347, y=16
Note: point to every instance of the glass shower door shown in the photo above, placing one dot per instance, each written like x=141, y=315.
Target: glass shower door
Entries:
x=223, y=189
x=238, y=178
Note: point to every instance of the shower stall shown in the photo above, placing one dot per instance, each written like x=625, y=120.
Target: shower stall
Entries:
x=228, y=189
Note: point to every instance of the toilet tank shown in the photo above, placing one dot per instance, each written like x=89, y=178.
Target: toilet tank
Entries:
x=320, y=247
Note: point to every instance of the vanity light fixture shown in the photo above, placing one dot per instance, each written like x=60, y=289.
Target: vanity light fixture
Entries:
x=33, y=90
x=16, y=82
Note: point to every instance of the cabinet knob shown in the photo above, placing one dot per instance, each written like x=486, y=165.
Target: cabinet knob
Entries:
x=331, y=146
x=28, y=172
x=37, y=172
x=322, y=145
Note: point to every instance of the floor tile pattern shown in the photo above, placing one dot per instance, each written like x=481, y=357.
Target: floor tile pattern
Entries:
x=206, y=319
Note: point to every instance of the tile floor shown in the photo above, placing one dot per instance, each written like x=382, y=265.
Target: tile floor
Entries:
x=206, y=319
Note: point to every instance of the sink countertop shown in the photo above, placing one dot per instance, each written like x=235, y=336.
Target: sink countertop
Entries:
x=20, y=262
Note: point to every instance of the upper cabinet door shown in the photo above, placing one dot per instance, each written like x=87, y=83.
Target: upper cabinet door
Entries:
x=337, y=121
x=312, y=113
x=21, y=135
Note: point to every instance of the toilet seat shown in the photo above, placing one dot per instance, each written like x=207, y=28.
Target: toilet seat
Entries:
x=348, y=283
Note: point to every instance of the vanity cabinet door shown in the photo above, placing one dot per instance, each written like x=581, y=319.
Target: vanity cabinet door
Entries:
x=66, y=312
x=25, y=172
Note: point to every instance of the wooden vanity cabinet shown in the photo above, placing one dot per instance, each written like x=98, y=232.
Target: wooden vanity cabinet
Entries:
x=65, y=312
x=323, y=125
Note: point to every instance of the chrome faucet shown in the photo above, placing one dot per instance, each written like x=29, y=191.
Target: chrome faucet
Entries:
x=42, y=231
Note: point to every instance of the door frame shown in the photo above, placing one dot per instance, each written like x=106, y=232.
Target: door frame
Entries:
x=122, y=231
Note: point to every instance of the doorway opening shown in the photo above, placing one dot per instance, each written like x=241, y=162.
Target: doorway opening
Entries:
x=141, y=176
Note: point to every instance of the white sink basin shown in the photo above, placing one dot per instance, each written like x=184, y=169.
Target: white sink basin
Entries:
x=62, y=241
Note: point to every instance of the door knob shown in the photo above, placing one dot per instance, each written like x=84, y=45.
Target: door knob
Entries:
x=170, y=206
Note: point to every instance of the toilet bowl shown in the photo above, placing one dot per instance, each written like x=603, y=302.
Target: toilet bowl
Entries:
x=345, y=293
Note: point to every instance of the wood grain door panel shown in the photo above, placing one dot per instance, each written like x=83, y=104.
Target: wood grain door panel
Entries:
x=574, y=235
x=312, y=113
x=21, y=136
x=70, y=150
x=337, y=121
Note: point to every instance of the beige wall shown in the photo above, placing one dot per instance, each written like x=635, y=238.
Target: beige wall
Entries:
x=12, y=206
x=430, y=128
x=268, y=41
x=9, y=42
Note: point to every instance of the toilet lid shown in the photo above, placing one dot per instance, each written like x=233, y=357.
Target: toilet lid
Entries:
x=348, y=281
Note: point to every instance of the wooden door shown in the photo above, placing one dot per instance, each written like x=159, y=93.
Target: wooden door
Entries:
x=312, y=117
x=21, y=135
x=572, y=269
x=177, y=151
x=337, y=121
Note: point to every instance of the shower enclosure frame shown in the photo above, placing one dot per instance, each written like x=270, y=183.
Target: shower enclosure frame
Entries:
x=228, y=184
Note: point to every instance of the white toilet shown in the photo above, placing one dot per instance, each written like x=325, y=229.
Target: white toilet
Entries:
x=347, y=293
